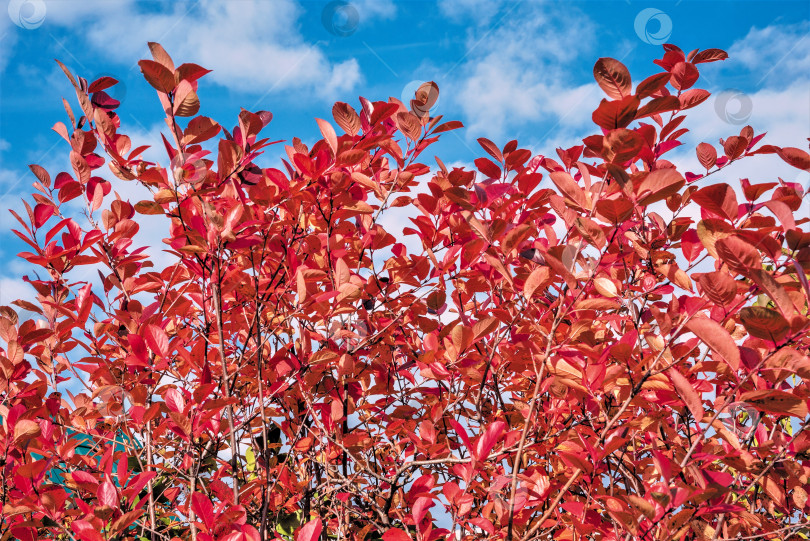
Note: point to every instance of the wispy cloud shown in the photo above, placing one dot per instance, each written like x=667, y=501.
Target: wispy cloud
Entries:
x=252, y=46
x=517, y=68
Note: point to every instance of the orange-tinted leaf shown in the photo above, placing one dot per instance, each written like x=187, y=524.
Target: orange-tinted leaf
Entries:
x=774, y=290
x=622, y=145
x=199, y=129
x=614, y=210
x=186, y=102
x=718, y=286
x=738, y=254
x=328, y=133
x=568, y=187
x=775, y=401
x=659, y=185
x=764, y=323
x=537, y=277
x=717, y=338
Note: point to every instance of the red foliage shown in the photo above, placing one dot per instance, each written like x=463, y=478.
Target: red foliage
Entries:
x=571, y=352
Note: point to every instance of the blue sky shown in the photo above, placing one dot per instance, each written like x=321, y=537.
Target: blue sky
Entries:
x=507, y=69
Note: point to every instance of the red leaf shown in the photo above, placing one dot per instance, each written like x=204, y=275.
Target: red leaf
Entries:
x=488, y=439
x=734, y=146
x=707, y=155
x=688, y=394
x=719, y=199
x=107, y=495
x=488, y=167
x=717, y=338
x=41, y=214
x=764, y=323
x=157, y=75
x=420, y=508
x=684, y=75
x=738, y=254
x=691, y=245
x=448, y=126
x=157, y=340
x=310, y=531
x=659, y=185
x=203, y=508
x=616, y=114
x=174, y=399
x=462, y=433
x=612, y=77
x=102, y=83
x=658, y=105
x=652, y=84
x=693, y=97
x=796, y=157
x=709, y=55
x=491, y=148
x=718, y=286
x=395, y=534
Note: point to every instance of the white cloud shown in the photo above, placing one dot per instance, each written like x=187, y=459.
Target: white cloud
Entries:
x=384, y=9
x=8, y=39
x=773, y=54
x=254, y=46
x=480, y=11
x=519, y=71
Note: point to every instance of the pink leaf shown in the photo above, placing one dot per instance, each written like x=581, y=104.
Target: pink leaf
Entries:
x=462, y=433
x=310, y=531
x=107, y=495
x=717, y=338
x=420, y=508
x=687, y=393
x=175, y=400
x=328, y=133
x=157, y=340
